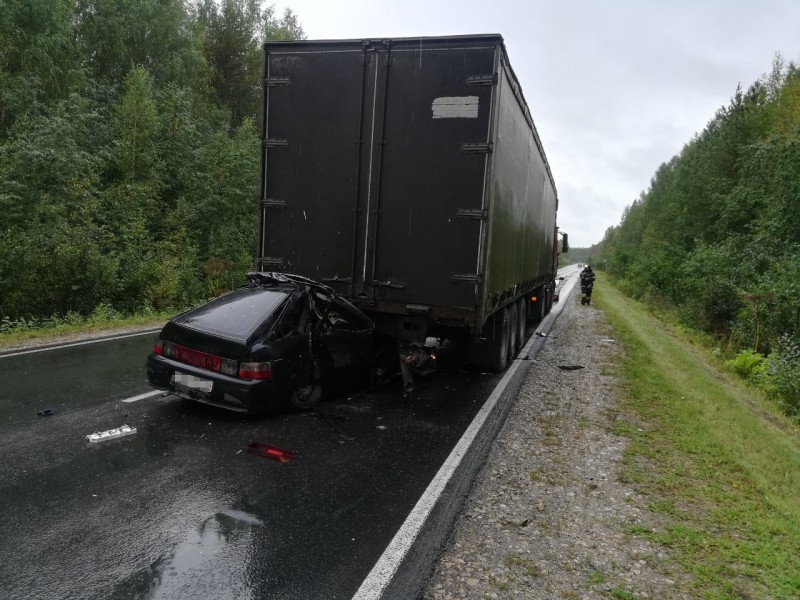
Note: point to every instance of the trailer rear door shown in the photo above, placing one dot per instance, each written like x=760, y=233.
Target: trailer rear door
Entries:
x=433, y=160
x=311, y=153
x=375, y=162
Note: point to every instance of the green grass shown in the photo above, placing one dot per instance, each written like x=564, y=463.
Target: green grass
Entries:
x=596, y=578
x=53, y=333
x=719, y=464
x=621, y=594
x=524, y=565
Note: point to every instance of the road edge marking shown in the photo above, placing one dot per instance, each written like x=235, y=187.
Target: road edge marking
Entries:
x=387, y=566
x=142, y=396
x=81, y=343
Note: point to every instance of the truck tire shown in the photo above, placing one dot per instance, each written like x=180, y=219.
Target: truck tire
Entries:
x=513, y=331
x=492, y=354
x=522, y=321
x=498, y=359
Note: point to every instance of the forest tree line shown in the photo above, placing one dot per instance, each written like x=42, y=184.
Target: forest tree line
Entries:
x=129, y=149
x=716, y=237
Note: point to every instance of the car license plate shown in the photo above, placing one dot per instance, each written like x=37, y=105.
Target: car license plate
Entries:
x=192, y=382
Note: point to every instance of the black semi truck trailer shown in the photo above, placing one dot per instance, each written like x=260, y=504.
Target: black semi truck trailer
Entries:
x=408, y=175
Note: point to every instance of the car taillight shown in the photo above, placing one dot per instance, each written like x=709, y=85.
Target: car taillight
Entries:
x=198, y=359
x=270, y=452
x=159, y=348
x=255, y=370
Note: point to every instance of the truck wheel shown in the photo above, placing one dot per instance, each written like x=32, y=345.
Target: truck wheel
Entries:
x=513, y=332
x=498, y=358
x=549, y=305
x=522, y=319
x=492, y=354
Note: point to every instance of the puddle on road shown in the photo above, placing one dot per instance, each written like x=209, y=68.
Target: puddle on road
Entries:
x=213, y=559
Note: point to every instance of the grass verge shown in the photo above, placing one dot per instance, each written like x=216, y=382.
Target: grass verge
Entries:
x=61, y=331
x=720, y=465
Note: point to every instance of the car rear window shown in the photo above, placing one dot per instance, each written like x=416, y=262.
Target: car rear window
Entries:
x=236, y=315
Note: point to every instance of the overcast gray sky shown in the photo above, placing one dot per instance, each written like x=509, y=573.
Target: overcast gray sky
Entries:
x=615, y=87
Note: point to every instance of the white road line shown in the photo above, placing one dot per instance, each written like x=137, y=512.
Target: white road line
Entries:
x=96, y=341
x=143, y=396
x=382, y=573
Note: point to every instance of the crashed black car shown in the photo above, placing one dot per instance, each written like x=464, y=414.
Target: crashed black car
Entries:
x=277, y=342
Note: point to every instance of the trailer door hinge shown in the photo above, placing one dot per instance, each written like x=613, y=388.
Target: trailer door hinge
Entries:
x=466, y=278
x=275, y=143
x=472, y=213
x=277, y=82
x=481, y=148
x=274, y=203
x=482, y=80
x=271, y=261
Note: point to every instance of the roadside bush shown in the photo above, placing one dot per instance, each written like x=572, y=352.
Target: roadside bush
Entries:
x=8, y=325
x=748, y=364
x=783, y=372
x=102, y=313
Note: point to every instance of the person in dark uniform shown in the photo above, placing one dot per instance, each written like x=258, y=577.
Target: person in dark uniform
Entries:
x=587, y=283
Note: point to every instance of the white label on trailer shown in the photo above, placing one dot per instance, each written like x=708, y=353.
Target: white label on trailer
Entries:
x=455, y=107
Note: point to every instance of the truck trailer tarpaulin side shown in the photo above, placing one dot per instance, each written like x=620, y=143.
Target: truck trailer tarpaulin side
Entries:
x=408, y=175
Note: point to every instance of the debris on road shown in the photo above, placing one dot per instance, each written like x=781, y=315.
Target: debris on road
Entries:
x=271, y=452
x=46, y=412
x=329, y=419
x=569, y=367
x=111, y=434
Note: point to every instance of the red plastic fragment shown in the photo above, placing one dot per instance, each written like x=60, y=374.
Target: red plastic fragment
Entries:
x=270, y=452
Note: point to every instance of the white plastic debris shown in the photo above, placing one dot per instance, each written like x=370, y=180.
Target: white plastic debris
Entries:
x=102, y=436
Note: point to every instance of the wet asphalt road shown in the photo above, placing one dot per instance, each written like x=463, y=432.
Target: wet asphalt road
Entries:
x=181, y=509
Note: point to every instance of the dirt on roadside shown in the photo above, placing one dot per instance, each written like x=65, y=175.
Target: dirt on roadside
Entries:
x=549, y=515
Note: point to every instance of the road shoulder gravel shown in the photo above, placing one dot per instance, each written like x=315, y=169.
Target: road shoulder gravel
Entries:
x=548, y=515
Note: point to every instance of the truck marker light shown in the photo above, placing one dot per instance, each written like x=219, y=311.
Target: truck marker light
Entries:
x=271, y=452
x=534, y=299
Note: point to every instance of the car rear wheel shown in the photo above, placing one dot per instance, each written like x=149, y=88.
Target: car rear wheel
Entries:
x=306, y=395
